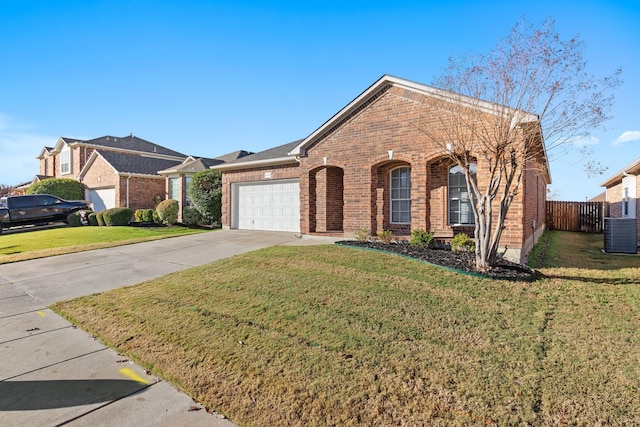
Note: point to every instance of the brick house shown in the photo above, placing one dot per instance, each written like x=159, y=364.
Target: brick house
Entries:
x=370, y=167
x=116, y=171
x=179, y=176
x=622, y=191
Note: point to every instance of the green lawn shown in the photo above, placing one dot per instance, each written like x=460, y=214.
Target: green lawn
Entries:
x=328, y=335
x=22, y=246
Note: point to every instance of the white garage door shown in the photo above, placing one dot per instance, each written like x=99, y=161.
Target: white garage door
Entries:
x=102, y=198
x=273, y=205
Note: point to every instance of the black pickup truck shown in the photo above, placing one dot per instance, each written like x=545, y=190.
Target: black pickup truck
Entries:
x=36, y=209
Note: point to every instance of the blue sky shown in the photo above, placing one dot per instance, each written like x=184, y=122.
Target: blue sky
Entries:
x=210, y=77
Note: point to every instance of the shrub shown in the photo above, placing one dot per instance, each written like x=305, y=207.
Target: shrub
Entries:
x=117, y=216
x=462, y=242
x=74, y=220
x=144, y=215
x=65, y=188
x=93, y=220
x=421, y=238
x=361, y=234
x=168, y=211
x=386, y=236
x=205, y=192
x=100, y=218
x=191, y=217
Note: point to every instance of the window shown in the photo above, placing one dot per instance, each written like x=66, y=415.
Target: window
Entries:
x=625, y=202
x=460, y=211
x=188, y=183
x=401, y=195
x=65, y=161
x=174, y=189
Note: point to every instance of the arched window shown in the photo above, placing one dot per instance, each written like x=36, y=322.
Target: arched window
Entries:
x=460, y=212
x=401, y=195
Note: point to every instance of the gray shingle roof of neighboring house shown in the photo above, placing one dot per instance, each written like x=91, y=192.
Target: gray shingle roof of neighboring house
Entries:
x=272, y=153
x=232, y=156
x=201, y=163
x=129, y=143
x=136, y=164
x=69, y=140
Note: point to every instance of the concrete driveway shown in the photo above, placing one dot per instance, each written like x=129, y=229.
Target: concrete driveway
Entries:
x=53, y=374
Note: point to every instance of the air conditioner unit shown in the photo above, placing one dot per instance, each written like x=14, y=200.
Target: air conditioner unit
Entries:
x=620, y=235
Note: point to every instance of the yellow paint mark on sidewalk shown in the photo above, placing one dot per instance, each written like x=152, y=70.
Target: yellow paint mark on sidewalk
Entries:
x=41, y=313
x=132, y=375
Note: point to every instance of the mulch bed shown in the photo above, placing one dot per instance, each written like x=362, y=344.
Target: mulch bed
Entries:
x=463, y=262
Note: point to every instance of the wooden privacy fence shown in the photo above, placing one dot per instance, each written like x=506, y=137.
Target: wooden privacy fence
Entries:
x=587, y=217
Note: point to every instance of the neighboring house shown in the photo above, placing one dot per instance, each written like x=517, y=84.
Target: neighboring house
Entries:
x=178, y=177
x=124, y=171
x=116, y=171
x=623, y=193
x=370, y=167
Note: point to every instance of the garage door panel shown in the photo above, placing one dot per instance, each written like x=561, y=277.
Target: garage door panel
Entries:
x=269, y=206
x=102, y=198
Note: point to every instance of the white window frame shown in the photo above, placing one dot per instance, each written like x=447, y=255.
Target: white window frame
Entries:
x=65, y=160
x=460, y=201
x=629, y=196
x=186, y=190
x=401, y=198
x=174, y=188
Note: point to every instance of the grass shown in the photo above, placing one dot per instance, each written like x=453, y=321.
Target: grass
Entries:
x=327, y=335
x=23, y=246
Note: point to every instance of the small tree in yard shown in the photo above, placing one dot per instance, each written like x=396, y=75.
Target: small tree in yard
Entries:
x=168, y=211
x=533, y=81
x=205, y=192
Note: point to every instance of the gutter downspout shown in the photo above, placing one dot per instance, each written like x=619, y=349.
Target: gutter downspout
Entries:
x=128, y=178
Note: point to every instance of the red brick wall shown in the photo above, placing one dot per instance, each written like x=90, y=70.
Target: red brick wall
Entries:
x=614, y=197
x=329, y=202
x=48, y=165
x=142, y=191
x=100, y=175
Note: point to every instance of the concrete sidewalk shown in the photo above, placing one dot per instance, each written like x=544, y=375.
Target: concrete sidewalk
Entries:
x=53, y=374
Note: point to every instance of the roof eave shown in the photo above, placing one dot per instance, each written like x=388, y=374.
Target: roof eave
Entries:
x=489, y=107
x=631, y=169
x=256, y=164
x=139, y=175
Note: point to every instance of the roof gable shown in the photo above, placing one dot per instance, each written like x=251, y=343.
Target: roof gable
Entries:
x=127, y=144
x=383, y=84
x=125, y=163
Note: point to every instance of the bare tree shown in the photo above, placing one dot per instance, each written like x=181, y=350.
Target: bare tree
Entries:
x=5, y=189
x=496, y=109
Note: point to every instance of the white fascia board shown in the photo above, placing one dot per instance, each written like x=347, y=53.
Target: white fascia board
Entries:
x=620, y=174
x=256, y=164
x=139, y=175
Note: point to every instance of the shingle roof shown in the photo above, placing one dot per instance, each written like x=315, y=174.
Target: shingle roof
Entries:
x=233, y=156
x=198, y=164
x=129, y=143
x=272, y=153
x=136, y=164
